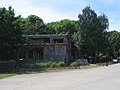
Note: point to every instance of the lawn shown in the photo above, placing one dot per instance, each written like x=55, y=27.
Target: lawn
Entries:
x=4, y=75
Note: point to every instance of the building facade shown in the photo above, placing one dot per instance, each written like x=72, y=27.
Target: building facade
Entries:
x=50, y=47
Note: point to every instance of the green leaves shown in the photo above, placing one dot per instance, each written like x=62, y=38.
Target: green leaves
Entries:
x=114, y=42
x=61, y=27
x=10, y=33
x=32, y=25
x=90, y=32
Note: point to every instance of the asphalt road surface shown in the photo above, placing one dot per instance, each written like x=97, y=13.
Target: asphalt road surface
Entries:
x=102, y=78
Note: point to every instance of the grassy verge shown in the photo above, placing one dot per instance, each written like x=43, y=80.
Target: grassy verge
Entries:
x=89, y=66
x=4, y=75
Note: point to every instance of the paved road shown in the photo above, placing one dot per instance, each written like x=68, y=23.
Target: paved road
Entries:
x=102, y=78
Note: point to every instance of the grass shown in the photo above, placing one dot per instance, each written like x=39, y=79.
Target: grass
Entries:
x=4, y=75
x=89, y=66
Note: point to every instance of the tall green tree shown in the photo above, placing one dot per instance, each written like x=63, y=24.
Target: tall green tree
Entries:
x=10, y=34
x=90, y=32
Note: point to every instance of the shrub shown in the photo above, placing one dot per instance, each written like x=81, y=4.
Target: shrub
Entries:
x=35, y=65
x=28, y=66
x=44, y=65
x=38, y=65
x=48, y=64
x=104, y=58
x=53, y=64
x=74, y=64
x=60, y=64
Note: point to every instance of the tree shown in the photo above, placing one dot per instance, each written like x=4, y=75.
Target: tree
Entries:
x=114, y=43
x=33, y=25
x=10, y=34
x=90, y=32
x=103, y=27
x=65, y=26
x=51, y=28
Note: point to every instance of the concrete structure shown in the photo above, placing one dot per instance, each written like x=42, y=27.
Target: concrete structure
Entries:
x=47, y=48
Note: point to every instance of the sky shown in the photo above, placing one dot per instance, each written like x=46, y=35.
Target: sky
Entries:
x=56, y=10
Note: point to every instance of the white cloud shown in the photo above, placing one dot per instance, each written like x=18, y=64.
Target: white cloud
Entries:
x=46, y=14
x=25, y=8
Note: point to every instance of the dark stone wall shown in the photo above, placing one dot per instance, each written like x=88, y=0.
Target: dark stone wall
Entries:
x=55, y=53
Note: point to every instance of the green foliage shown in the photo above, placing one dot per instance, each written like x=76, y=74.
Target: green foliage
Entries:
x=37, y=65
x=29, y=66
x=74, y=64
x=60, y=64
x=32, y=25
x=90, y=35
x=114, y=43
x=53, y=64
x=10, y=34
x=103, y=58
x=77, y=40
x=48, y=64
x=57, y=64
x=61, y=27
x=44, y=65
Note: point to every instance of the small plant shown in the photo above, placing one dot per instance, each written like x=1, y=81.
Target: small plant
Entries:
x=48, y=64
x=39, y=65
x=53, y=64
x=74, y=64
x=35, y=65
x=60, y=64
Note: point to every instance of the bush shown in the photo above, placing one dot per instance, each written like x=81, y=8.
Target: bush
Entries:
x=48, y=64
x=104, y=58
x=60, y=64
x=39, y=65
x=74, y=64
x=35, y=65
x=53, y=64
x=28, y=66
x=44, y=65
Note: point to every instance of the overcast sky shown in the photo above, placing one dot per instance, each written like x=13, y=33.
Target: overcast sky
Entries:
x=55, y=10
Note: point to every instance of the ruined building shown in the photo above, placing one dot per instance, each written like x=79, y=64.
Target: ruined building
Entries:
x=47, y=48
